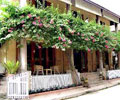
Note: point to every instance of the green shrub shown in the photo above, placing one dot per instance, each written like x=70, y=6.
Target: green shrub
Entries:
x=11, y=67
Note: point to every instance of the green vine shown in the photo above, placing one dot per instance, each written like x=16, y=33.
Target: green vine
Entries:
x=53, y=29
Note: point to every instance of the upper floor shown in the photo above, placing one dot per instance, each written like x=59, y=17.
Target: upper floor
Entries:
x=88, y=10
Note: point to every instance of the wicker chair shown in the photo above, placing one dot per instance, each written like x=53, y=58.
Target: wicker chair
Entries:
x=38, y=69
x=55, y=69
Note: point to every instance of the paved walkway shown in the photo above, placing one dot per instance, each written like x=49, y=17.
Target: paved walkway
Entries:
x=112, y=93
x=73, y=92
x=3, y=89
x=64, y=93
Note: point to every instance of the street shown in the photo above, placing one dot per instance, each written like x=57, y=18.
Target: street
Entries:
x=112, y=93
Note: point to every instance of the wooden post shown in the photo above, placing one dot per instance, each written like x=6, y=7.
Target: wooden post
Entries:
x=40, y=54
x=53, y=56
x=17, y=51
x=47, y=58
x=23, y=55
x=32, y=55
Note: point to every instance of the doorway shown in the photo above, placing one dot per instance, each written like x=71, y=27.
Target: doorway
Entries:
x=37, y=55
x=80, y=60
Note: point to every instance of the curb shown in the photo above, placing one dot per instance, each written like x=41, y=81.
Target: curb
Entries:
x=78, y=91
x=87, y=91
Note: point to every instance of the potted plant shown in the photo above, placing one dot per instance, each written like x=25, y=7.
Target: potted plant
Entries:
x=11, y=67
x=85, y=83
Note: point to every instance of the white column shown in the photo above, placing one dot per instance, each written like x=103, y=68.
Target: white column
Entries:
x=23, y=55
x=23, y=3
x=23, y=49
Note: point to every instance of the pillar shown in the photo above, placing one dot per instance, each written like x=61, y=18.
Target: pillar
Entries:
x=23, y=55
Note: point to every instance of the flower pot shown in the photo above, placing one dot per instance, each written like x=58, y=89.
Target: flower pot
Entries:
x=9, y=75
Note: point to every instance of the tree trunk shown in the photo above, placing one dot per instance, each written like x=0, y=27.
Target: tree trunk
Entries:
x=100, y=61
x=23, y=55
x=75, y=77
x=110, y=60
x=119, y=59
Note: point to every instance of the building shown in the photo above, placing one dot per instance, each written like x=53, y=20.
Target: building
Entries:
x=84, y=61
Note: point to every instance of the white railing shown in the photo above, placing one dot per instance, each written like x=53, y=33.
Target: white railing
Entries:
x=111, y=74
x=46, y=82
x=18, y=86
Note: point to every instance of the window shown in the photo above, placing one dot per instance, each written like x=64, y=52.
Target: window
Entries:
x=74, y=13
x=87, y=20
x=42, y=2
x=102, y=23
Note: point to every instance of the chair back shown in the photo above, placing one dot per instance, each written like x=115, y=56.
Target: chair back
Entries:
x=38, y=67
x=55, y=69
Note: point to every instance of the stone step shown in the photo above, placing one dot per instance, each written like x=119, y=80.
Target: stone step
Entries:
x=93, y=78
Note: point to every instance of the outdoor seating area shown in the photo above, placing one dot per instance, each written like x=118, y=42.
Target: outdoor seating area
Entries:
x=48, y=45
x=39, y=70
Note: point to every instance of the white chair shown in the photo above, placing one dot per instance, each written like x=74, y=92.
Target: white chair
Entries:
x=38, y=69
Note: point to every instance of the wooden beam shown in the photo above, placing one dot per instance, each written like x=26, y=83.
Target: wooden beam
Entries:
x=47, y=58
x=40, y=53
x=32, y=55
x=53, y=55
x=17, y=51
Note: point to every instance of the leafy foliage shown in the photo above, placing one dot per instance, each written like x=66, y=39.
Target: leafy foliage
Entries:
x=11, y=67
x=117, y=47
x=53, y=29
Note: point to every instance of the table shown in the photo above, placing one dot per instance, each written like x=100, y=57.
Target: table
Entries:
x=47, y=71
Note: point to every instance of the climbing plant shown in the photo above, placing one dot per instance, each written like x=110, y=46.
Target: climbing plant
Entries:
x=53, y=29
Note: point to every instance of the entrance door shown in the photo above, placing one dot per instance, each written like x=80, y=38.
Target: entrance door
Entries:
x=36, y=55
x=80, y=60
